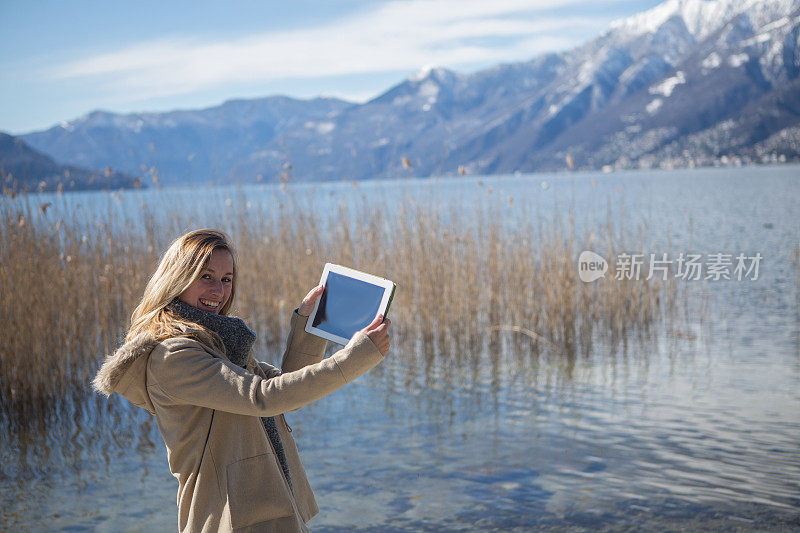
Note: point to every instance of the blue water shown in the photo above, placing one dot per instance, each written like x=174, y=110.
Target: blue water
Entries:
x=695, y=428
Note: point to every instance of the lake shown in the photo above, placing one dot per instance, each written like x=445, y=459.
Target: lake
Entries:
x=695, y=427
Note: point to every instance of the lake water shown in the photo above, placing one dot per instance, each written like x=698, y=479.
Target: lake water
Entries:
x=694, y=428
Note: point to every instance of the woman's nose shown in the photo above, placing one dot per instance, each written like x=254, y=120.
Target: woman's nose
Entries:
x=216, y=288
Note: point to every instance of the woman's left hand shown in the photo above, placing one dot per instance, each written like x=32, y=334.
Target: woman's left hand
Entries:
x=311, y=298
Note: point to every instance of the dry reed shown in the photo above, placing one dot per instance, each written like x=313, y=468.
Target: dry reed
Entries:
x=466, y=281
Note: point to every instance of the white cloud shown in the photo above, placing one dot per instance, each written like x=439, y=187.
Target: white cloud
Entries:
x=399, y=35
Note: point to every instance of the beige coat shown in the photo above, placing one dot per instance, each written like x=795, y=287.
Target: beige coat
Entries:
x=208, y=410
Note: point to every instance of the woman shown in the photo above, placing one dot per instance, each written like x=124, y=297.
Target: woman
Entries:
x=219, y=411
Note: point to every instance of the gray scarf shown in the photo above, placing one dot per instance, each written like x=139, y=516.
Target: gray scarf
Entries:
x=238, y=340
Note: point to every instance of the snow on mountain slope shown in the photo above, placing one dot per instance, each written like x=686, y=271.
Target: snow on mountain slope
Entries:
x=685, y=69
x=702, y=17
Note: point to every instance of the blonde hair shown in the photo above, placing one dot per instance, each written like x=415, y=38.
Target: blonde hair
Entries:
x=179, y=267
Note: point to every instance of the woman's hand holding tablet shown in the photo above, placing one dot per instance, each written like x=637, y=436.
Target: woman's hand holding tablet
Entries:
x=310, y=301
x=378, y=332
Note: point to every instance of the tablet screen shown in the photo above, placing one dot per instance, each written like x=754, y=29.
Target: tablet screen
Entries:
x=347, y=305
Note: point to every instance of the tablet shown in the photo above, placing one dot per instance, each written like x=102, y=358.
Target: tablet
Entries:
x=350, y=301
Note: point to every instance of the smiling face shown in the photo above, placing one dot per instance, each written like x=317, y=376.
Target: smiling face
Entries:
x=213, y=288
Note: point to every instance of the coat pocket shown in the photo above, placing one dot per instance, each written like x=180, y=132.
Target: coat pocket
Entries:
x=256, y=491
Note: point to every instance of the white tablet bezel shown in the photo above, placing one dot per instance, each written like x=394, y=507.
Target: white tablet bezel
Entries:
x=385, y=284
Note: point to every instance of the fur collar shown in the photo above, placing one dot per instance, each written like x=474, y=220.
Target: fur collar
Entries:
x=117, y=364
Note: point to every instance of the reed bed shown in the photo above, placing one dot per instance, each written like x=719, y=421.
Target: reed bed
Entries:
x=468, y=282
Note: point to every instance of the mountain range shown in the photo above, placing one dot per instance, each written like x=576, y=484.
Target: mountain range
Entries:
x=689, y=82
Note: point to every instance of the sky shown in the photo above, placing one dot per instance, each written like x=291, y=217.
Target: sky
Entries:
x=60, y=60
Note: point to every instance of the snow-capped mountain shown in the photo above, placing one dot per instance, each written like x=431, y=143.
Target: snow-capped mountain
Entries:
x=687, y=82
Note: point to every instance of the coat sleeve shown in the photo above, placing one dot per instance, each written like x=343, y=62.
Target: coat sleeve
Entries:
x=268, y=370
x=182, y=371
x=302, y=348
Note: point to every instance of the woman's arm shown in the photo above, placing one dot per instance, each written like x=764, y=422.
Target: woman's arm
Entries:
x=302, y=348
x=182, y=371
